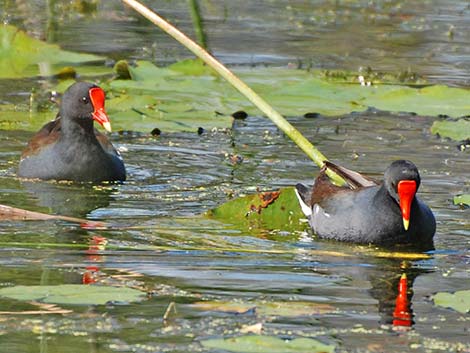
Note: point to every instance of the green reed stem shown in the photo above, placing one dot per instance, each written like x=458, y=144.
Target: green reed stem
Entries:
x=310, y=150
x=197, y=23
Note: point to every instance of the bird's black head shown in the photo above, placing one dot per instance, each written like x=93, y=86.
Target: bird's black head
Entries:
x=398, y=171
x=402, y=180
x=84, y=102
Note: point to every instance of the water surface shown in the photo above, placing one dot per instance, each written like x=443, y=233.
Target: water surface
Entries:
x=178, y=256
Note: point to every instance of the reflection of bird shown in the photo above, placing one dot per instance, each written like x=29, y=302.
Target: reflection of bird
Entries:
x=69, y=148
x=367, y=212
x=76, y=200
x=392, y=286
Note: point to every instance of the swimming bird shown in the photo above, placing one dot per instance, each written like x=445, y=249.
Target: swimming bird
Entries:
x=69, y=147
x=367, y=212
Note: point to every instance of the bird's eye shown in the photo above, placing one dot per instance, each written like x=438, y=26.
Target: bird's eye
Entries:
x=85, y=100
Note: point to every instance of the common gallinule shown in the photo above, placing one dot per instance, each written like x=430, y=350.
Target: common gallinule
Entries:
x=69, y=147
x=367, y=212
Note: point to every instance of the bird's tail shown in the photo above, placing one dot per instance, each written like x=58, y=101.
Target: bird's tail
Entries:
x=304, y=196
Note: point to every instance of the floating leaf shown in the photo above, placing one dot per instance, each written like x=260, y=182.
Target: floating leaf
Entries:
x=124, y=103
x=456, y=130
x=368, y=76
x=167, y=99
x=284, y=309
x=23, y=120
x=315, y=95
x=459, y=301
x=292, y=309
x=462, y=200
x=147, y=118
x=268, y=210
x=226, y=307
x=292, y=92
x=430, y=101
x=187, y=95
x=22, y=56
x=73, y=294
x=194, y=67
x=265, y=344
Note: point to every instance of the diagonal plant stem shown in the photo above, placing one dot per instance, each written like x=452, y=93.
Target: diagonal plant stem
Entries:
x=311, y=151
x=13, y=213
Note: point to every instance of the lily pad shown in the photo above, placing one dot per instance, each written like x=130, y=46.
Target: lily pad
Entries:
x=265, y=344
x=368, y=76
x=168, y=99
x=459, y=301
x=23, y=120
x=284, y=309
x=192, y=67
x=167, y=117
x=188, y=95
x=274, y=210
x=313, y=94
x=73, y=294
x=292, y=309
x=462, y=199
x=456, y=130
x=292, y=92
x=24, y=56
x=430, y=101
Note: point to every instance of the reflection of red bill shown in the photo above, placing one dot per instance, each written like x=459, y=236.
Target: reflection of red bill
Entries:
x=97, y=245
x=90, y=275
x=406, y=193
x=402, y=314
x=92, y=225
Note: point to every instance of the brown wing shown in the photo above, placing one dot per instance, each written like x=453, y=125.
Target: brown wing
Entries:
x=48, y=134
x=354, y=179
x=323, y=188
x=105, y=143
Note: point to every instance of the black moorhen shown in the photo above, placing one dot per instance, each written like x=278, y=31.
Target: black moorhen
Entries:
x=367, y=212
x=69, y=147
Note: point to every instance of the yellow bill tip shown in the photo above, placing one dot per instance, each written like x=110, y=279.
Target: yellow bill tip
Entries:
x=406, y=223
x=107, y=126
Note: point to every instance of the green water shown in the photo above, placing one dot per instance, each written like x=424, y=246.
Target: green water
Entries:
x=175, y=255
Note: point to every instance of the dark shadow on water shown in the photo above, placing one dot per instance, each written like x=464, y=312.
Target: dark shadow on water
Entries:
x=75, y=200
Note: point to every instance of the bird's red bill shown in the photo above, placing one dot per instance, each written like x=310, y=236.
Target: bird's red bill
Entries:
x=97, y=97
x=406, y=193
